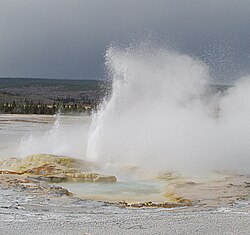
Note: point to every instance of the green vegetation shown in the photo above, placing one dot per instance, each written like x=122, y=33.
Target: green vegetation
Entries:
x=40, y=108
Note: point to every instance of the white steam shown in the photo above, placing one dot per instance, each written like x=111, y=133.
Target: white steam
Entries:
x=159, y=117
x=64, y=137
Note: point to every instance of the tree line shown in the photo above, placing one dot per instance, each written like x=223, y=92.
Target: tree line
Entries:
x=40, y=108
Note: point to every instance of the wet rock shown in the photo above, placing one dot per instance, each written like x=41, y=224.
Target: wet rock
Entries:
x=32, y=186
x=105, y=179
x=155, y=204
x=58, y=191
x=50, y=179
x=247, y=184
x=7, y=172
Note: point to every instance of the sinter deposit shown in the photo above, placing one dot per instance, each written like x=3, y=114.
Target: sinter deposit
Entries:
x=54, y=168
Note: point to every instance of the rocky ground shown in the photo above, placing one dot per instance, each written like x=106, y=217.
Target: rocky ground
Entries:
x=24, y=213
x=30, y=202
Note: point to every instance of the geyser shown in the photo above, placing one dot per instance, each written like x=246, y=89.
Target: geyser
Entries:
x=160, y=116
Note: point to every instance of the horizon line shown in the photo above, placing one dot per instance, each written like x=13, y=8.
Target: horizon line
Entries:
x=51, y=78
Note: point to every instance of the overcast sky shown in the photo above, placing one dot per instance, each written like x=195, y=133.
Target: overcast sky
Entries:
x=68, y=38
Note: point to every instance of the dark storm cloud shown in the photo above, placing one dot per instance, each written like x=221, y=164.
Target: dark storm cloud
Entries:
x=67, y=38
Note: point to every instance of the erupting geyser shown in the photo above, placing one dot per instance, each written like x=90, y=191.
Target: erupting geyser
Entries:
x=161, y=116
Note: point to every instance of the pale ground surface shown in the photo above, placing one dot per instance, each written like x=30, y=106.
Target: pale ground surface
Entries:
x=222, y=204
x=26, y=214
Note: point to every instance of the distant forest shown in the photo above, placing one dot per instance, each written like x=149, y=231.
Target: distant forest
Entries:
x=49, y=96
x=30, y=108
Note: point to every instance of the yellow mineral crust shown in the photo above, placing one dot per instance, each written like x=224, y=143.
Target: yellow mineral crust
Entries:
x=54, y=168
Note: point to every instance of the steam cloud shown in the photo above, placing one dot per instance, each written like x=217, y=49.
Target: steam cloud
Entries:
x=64, y=137
x=160, y=116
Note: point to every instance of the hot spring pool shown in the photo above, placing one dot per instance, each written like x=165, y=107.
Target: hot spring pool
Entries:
x=130, y=191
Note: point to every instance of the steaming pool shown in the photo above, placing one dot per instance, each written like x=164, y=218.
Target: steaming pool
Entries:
x=130, y=191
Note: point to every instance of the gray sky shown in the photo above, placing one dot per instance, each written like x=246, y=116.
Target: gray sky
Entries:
x=68, y=38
